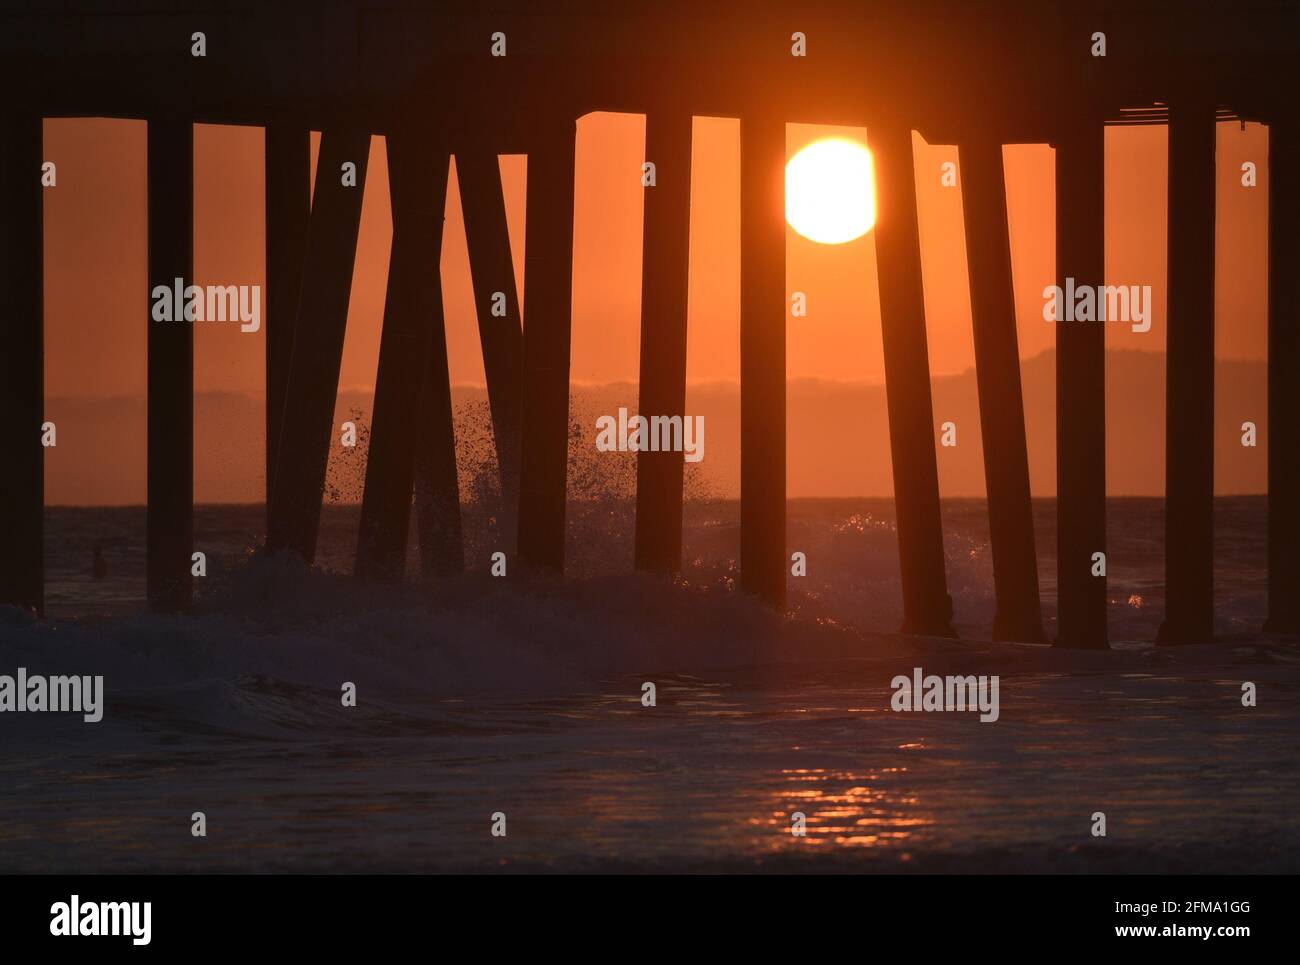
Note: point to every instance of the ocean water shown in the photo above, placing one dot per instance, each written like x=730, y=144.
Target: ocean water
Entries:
x=479, y=696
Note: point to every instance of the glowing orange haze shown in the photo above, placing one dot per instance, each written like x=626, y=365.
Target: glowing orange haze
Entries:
x=96, y=305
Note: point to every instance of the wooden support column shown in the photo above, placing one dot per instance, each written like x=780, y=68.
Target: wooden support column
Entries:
x=288, y=208
x=1080, y=390
x=307, y=429
x=1189, y=409
x=170, y=474
x=927, y=608
x=1002, y=410
x=437, y=489
x=413, y=322
x=665, y=261
x=548, y=304
x=22, y=365
x=1283, y=430
x=762, y=357
x=492, y=270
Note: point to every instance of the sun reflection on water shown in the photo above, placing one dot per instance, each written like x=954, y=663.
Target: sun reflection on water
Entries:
x=843, y=808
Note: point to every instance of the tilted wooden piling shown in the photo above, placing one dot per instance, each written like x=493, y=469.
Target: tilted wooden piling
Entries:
x=413, y=323
x=762, y=357
x=22, y=366
x=1080, y=390
x=170, y=474
x=1189, y=367
x=665, y=264
x=437, y=489
x=548, y=306
x=492, y=271
x=308, y=430
x=927, y=608
x=288, y=207
x=1283, y=430
x=1002, y=410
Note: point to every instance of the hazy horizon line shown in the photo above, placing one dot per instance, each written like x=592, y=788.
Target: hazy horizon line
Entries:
x=696, y=383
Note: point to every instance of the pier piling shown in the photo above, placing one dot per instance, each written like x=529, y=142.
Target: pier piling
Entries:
x=308, y=423
x=1080, y=390
x=1002, y=411
x=492, y=270
x=1189, y=367
x=413, y=330
x=763, y=310
x=288, y=207
x=927, y=608
x=548, y=306
x=170, y=472
x=22, y=366
x=665, y=262
x=437, y=489
x=1283, y=430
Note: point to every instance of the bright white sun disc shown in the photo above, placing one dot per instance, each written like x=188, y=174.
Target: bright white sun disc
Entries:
x=830, y=191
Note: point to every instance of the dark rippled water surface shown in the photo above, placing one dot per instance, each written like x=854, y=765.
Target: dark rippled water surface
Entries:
x=479, y=696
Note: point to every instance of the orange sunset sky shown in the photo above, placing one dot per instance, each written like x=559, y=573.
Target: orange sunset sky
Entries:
x=97, y=307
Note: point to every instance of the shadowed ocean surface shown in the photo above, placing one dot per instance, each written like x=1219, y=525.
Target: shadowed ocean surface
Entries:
x=479, y=695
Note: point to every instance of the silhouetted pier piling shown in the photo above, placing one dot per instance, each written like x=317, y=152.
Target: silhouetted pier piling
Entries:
x=665, y=264
x=1081, y=390
x=170, y=476
x=1283, y=431
x=927, y=608
x=763, y=308
x=287, y=151
x=1002, y=411
x=22, y=366
x=412, y=376
x=501, y=337
x=548, y=304
x=307, y=430
x=1189, y=368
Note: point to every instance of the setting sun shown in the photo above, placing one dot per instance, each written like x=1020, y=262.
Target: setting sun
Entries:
x=830, y=191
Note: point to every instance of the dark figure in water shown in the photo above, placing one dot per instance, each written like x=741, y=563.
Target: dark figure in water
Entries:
x=99, y=567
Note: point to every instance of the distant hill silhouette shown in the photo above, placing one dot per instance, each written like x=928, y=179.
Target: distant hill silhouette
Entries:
x=838, y=436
